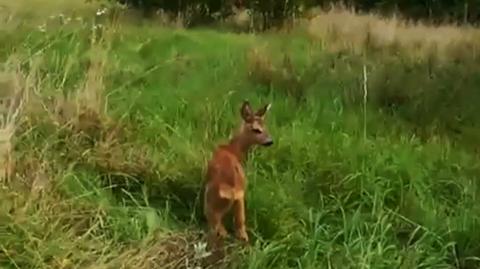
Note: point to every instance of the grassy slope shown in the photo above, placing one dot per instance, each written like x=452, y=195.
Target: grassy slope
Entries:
x=325, y=196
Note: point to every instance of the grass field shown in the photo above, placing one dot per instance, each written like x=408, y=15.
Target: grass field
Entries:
x=118, y=120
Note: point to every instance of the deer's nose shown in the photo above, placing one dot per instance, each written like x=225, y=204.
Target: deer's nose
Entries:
x=268, y=143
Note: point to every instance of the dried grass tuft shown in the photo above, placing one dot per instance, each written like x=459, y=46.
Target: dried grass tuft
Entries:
x=282, y=75
x=174, y=250
x=343, y=29
x=12, y=98
x=260, y=67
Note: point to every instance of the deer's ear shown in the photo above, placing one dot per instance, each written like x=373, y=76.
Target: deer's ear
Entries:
x=262, y=111
x=246, y=111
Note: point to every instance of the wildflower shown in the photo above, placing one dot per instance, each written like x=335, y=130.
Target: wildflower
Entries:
x=102, y=11
x=42, y=28
x=200, y=250
x=96, y=26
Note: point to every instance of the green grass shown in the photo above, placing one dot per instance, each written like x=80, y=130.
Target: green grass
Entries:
x=325, y=196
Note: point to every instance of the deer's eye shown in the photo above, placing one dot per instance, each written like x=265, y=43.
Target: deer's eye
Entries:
x=257, y=131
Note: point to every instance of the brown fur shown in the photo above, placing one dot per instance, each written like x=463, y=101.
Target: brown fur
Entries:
x=226, y=181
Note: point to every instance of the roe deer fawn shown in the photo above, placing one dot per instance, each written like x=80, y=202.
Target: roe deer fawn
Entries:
x=225, y=184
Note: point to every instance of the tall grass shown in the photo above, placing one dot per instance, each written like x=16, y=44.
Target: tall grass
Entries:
x=342, y=29
x=119, y=120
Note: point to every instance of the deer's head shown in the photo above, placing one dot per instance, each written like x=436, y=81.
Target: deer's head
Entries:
x=253, y=130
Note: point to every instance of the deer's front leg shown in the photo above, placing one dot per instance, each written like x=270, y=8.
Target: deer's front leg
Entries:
x=241, y=230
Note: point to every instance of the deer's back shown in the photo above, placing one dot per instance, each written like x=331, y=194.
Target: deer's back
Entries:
x=224, y=169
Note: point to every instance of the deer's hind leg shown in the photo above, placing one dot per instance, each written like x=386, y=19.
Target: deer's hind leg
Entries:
x=215, y=222
x=215, y=209
x=239, y=209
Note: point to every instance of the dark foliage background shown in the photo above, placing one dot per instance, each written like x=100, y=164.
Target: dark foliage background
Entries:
x=275, y=11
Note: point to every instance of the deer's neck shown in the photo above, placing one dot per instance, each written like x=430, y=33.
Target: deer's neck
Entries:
x=239, y=147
